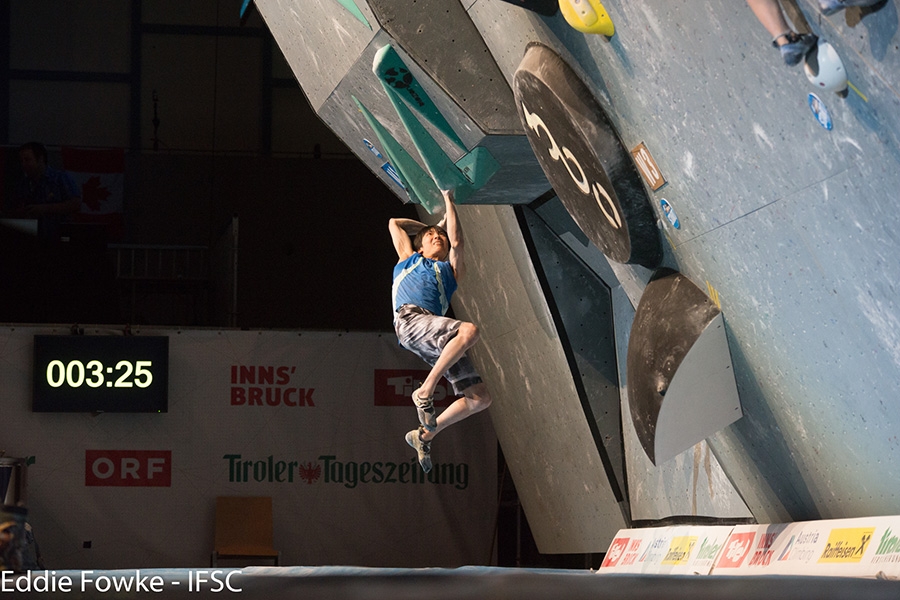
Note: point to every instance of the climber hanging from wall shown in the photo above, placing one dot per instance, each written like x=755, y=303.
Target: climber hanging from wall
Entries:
x=425, y=278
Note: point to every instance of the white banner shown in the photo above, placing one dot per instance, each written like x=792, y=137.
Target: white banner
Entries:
x=861, y=547
x=316, y=420
x=685, y=549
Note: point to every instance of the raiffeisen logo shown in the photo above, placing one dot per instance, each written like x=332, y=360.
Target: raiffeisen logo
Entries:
x=267, y=385
x=350, y=474
x=847, y=545
x=679, y=550
x=394, y=387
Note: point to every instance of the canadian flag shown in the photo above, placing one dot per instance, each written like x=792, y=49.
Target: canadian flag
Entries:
x=100, y=175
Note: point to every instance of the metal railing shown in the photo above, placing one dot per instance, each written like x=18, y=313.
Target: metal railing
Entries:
x=142, y=262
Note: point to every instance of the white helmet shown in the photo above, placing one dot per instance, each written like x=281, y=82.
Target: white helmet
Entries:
x=824, y=68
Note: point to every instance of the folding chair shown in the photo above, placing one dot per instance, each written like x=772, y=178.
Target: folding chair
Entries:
x=244, y=529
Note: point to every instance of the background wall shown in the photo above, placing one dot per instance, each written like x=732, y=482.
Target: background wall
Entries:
x=213, y=125
x=348, y=491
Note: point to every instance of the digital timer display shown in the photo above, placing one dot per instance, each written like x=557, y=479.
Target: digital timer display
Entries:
x=100, y=373
x=73, y=374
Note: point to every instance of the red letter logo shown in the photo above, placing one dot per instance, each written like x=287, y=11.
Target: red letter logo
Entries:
x=132, y=468
x=736, y=550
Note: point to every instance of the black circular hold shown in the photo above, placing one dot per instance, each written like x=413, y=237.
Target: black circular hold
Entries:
x=583, y=158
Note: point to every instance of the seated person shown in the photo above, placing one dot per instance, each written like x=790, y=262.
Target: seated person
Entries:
x=46, y=194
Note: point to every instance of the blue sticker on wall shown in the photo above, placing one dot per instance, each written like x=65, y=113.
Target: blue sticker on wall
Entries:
x=820, y=111
x=392, y=173
x=372, y=148
x=670, y=213
x=387, y=167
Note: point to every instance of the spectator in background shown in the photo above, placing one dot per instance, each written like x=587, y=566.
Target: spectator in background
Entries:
x=46, y=194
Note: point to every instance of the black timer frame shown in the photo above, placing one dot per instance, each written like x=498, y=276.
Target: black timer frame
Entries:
x=101, y=373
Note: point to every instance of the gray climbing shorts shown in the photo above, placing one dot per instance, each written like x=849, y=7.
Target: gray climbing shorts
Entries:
x=425, y=334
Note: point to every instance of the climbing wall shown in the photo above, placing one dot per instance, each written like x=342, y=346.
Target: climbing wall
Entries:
x=780, y=215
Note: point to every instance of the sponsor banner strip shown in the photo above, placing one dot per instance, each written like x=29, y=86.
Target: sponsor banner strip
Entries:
x=666, y=550
x=860, y=547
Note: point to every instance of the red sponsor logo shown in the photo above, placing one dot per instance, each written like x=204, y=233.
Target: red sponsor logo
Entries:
x=736, y=550
x=615, y=552
x=394, y=387
x=131, y=468
x=267, y=385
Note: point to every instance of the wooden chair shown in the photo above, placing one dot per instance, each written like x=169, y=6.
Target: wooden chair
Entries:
x=244, y=529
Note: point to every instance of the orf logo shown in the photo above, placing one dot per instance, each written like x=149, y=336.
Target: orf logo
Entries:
x=394, y=387
x=131, y=468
